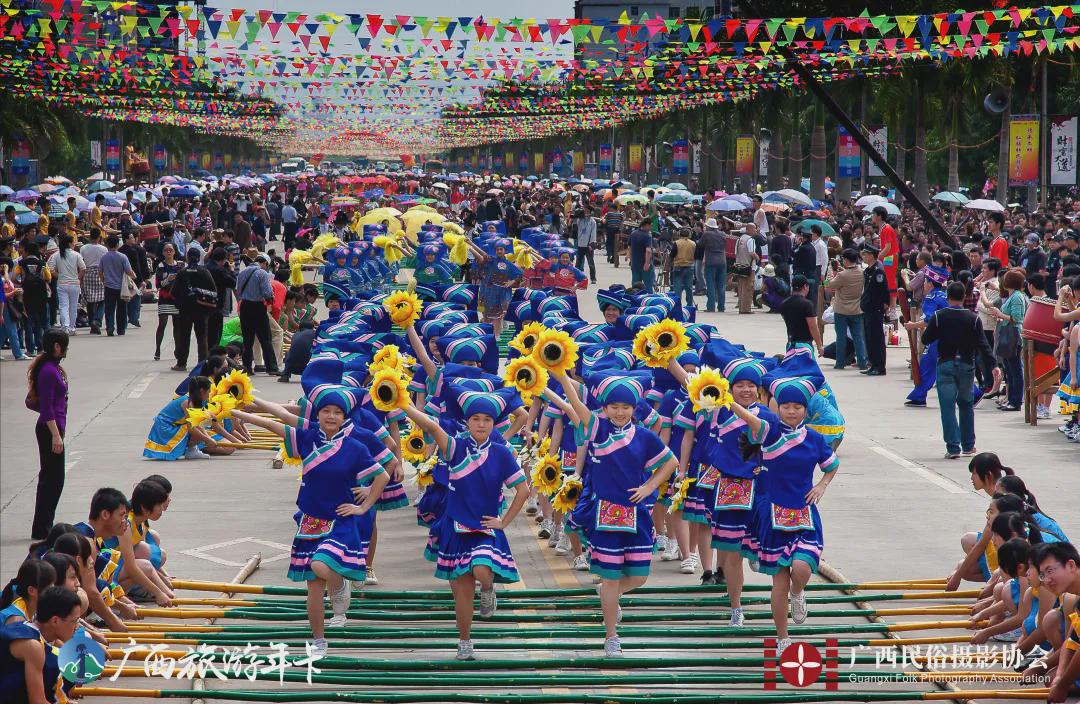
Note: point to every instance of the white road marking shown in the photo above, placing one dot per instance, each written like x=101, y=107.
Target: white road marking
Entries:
x=201, y=551
x=139, y=389
x=923, y=472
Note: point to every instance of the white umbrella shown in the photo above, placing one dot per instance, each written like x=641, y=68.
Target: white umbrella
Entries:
x=871, y=201
x=890, y=208
x=741, y=198
x=985, y=204
x=440, y=185
x=725, y=205
x=790, y=195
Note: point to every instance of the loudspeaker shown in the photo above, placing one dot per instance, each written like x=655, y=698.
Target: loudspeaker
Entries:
x=997, y=102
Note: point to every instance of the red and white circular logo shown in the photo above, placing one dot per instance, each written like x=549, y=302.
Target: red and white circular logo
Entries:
x=801, y=664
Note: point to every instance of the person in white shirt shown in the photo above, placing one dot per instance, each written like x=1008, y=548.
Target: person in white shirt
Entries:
x=761, y=218
x=67, y=266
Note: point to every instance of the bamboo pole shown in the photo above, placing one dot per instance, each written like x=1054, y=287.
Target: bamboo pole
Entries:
x=246, y=571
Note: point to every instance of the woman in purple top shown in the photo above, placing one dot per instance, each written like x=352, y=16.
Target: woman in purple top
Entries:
x=48, y=395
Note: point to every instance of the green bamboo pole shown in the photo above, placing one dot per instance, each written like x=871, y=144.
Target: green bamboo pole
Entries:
x=748, y=697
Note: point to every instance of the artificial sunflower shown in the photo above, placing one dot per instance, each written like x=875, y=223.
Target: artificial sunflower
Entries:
x=221, y=406
x=527, y=376
x=525, y=340
x=679, y=497
x=286, y=458
x=198, y=418
x=545, y=445
x=555, y=350
x=403, y=307
x=567, y=497
x=708, y=389
x=547, y=474
x=659, y=343
x=425, y=474
x=413, y=446
x=237, y=384
x=389, y=390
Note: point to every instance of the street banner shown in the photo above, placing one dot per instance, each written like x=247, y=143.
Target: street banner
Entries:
x=680, y=156
x=879, y=137
x=763, y=157
x=744, y=155
x=635, y=159
x=579, y=162
x=538, y=162
x=605, y=158
x=695, y=153
x=1062, y=150
x=161, y=157
x=20, y=157
x=847, y=155
x=1023, y=150
x=112, y=155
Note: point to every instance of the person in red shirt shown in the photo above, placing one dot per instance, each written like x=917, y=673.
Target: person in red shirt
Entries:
x=999, y=246
x=564, y=277
x=889, y=244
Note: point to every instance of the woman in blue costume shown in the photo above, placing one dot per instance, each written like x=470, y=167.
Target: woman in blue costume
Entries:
x=626, y=464
x=172, y=437
x=784, y=529
x=27, y=673
x=729, y=503
x=498, y=277
x=18, y=601
x=672, y=524
x=330, y=547
x=467, y=542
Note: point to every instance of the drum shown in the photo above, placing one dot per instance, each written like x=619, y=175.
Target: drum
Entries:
x=1039, y=323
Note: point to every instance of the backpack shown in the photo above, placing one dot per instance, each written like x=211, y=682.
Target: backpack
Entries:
x=35, y=288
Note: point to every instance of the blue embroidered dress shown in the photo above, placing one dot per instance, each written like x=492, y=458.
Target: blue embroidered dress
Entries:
x=782, y=527
x=458, y=542
x=620, y=534
x=736, y=485
x=169, y=434
x=332, y=467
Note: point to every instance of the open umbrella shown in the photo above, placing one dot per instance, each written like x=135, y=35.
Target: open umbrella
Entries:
x=741, y=198
x=19, y=207
x=100, y=186
x=25, y=194
x=985, y=204
x=870, y=200
x=790, y=195
x=441, y=186
x=674, y=198
x=890, y=208
x=631, y=198
x=6, y=191
x=725, y=205
x=494, y=192
x=826, y=228
x=676, y=186
x=951, y=197
x=184, y=192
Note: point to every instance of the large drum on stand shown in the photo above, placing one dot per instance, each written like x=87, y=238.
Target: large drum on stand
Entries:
x=1039, y=324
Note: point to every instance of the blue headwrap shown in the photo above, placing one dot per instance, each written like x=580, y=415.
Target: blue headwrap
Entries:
x=558, y=304
x=497, y=404
x=619, y=387
x=481, y=349
x=610, y=297
x=330, y=395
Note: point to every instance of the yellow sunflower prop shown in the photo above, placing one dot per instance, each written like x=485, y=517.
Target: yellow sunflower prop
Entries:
x=413, y=446
x=403, y=307
x=526, y=339
x=545, y=446
x=547, y=474
x=567, y=496
x=708, y=389
x=556, y=351
x=198, y=418
x=659, y=343
x=527, y=376
x=389, y=390
x=424, y=476
x=221, y=406
x=681, y=492
x=237, y=384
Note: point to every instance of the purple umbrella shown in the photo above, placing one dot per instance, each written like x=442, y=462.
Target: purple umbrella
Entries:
x=25, y=194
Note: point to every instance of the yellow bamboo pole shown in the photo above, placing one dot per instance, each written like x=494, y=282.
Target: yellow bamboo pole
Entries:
x=927, y=626
x=923, y=610
x=967, y=694
x=199, y=585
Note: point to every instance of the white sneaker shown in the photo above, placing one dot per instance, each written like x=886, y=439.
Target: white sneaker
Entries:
x=672, y=552
x=371, y=578
x=736, y=618
x=581, y=563
x=465, y=650
x=545, y=529
x=661, y=543
x=194, y=453
x=612, y=647
x=556, y=533
x=1066, y=427
x=798, y=607
x=339, y=601
x=1042, y=412
x=319, y=648
x=488, y=603
x=689, y=565
x=338, y=621
x=782, y=645
x=618, y=614
x=562, y=547
x=532, y=506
